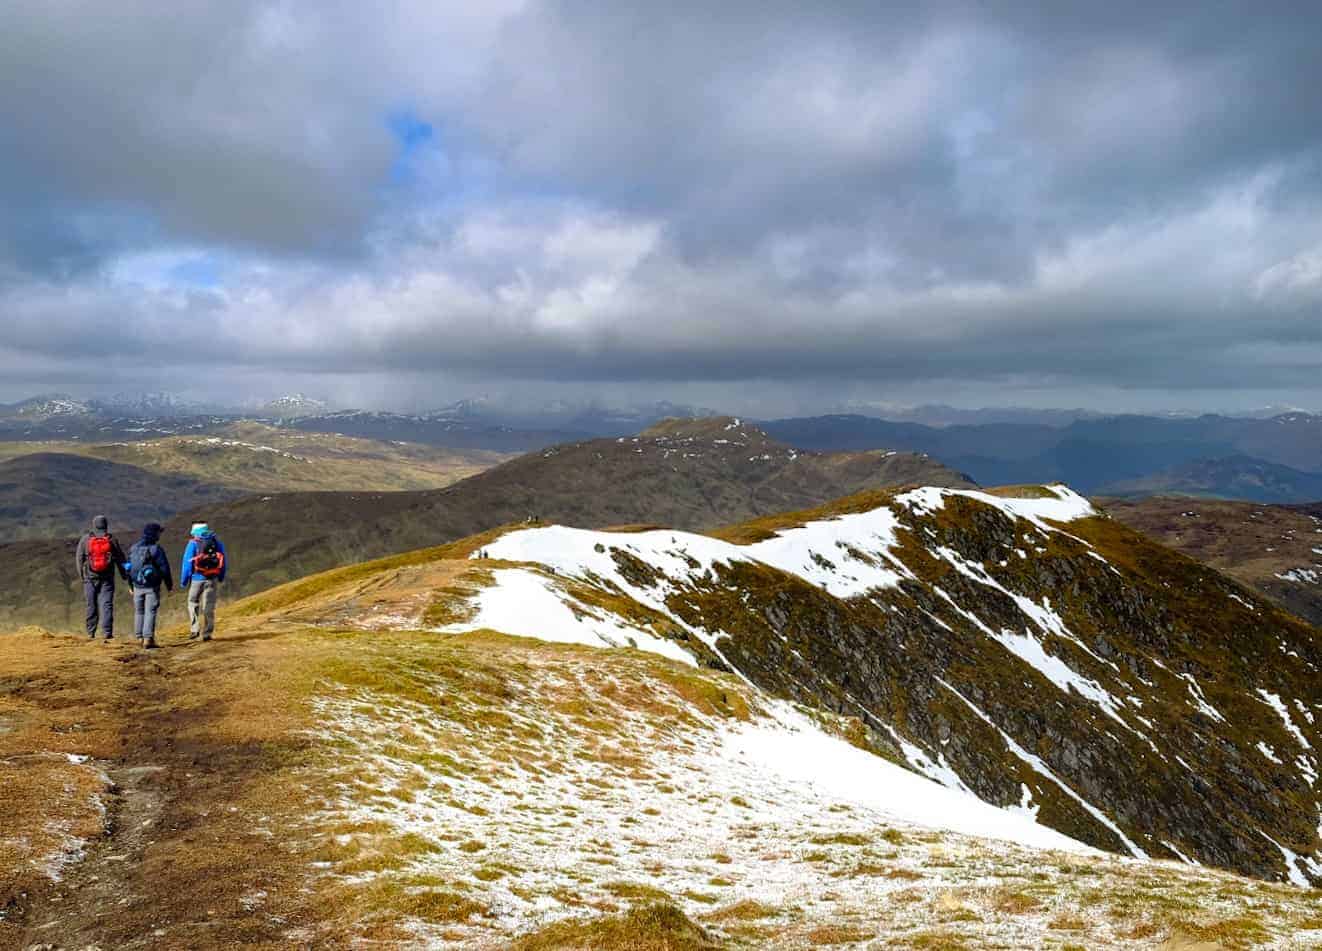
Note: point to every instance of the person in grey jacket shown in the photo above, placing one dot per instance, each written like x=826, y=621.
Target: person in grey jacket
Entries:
x=98, y=559
x=149, y=568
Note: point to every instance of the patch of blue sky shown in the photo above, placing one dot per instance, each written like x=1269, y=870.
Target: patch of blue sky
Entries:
x=414, y=138
x=204, y=270
x=188, y=269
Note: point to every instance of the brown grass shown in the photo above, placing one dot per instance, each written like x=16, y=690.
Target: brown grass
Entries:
x=653, y=927
x=747, y=910
x=828, y=935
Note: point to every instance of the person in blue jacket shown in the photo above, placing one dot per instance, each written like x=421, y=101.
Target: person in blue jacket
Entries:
x=204, y=569
x=148, y=568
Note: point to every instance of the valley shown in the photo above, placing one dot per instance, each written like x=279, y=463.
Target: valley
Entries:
x=53, y=488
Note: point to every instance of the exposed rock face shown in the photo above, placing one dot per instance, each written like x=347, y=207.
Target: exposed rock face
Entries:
x=1132, y=698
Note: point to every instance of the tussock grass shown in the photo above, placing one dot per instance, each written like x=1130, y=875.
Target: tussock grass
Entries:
x=636, y=891
x=747, y=910
x=831, y=935
x=841, y=838
x=657, y=926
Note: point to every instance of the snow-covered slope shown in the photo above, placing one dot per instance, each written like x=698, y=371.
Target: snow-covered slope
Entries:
x=490, y=787
x=1016, y=646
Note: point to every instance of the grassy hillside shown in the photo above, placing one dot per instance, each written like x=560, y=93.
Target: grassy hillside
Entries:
x=303, y=785
x=692, y=475
x=253, y=457
x=1276, y=549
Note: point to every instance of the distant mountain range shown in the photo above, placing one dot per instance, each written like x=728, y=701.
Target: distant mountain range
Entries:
x=1096, y=455
x=467, y=424
x=1231, y=477
x=1254, y=457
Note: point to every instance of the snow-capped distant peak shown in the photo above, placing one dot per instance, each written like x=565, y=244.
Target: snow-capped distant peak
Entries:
x=295, y=404
x=47, y=407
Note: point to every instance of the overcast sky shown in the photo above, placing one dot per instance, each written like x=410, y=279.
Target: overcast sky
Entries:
x=753, y=203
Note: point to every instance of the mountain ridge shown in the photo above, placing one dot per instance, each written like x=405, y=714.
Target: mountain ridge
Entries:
x=926, y=624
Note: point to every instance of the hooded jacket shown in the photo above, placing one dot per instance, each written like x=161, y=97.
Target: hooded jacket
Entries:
x=186, y=574
x=149, y=545
x=117, y=559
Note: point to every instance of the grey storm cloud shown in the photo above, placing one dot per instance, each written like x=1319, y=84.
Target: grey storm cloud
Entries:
x=1120, y=194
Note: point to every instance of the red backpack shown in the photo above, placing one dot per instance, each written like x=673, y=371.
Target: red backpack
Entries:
x=208, y=561
x=99, y=554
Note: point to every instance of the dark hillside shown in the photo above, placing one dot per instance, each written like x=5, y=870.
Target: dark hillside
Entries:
x=49, y=494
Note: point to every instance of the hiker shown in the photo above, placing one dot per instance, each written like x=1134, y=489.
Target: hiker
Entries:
x=149, y=568
x=204, y=571
x=99, y=558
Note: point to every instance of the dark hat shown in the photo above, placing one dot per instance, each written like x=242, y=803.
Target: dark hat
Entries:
x=151, y=533
x=100, y=524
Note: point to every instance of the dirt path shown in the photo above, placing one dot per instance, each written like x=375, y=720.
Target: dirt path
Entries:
x=108, y=882
x=191, y=850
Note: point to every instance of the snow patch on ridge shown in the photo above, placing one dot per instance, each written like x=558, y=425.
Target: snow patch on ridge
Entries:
x=846, y=556
x=1065, y=505
x=526, y=604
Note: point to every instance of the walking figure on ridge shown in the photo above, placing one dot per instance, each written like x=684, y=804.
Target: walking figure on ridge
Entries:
x=99, y=558
x=149, y=568
x=203, y=572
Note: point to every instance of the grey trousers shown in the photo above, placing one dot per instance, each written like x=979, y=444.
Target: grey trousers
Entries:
x=146, y=602
x=100, y=593
x=202, y=595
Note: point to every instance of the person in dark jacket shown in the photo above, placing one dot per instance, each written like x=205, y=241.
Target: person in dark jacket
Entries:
x=149, y=568
x=204, y=569
x=98, y=559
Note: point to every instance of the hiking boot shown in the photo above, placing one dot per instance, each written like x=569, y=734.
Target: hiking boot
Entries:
x=193, y=635
x=207, y=638
x=149, y=643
